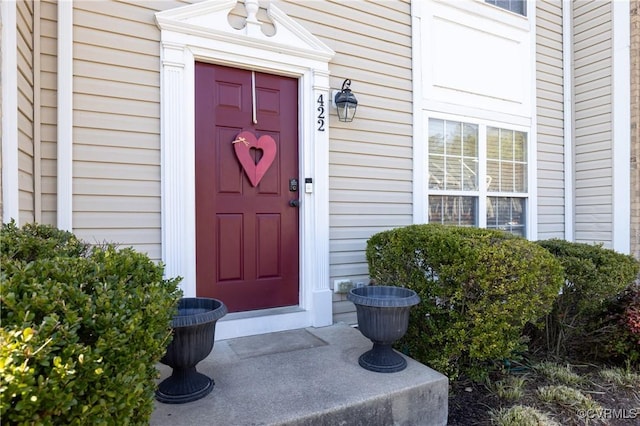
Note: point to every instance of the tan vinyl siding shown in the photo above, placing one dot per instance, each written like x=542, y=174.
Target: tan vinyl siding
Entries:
x=117, y=124
x=370, y=159
x=48, y=110
x=26, y=193
x=593, y=133
x=550, y=124
x=116, y=153
x=635, y=127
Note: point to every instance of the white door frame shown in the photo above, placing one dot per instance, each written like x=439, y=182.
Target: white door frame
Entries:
x=202, y=32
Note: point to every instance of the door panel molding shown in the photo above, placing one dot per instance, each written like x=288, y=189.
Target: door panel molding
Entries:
x=263, y=270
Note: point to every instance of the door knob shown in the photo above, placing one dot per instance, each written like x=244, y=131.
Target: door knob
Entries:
x=294, y=203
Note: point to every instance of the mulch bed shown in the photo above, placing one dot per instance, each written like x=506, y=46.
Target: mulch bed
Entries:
x=470, y=403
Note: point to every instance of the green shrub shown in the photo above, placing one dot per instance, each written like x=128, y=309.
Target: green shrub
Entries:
x=478, y=289
x=82, y=329
x=630, y=320
x=33, y=242
x=594, y=281
x=615, y=336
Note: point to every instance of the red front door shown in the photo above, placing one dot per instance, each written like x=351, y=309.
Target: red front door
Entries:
x=246, y=235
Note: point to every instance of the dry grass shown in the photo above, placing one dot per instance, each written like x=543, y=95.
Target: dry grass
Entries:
x=511, y=388
x=562, y=374
x=569, y=398
x=623, y=377
x=521, y=415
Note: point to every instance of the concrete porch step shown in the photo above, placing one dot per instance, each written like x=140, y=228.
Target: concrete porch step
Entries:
x=307, y=377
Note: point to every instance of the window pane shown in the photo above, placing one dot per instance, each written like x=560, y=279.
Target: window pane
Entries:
x=469, y=213
x=450, y=210
x=493, y=143
x=470, y=140
x=470, y=174
x=436, y=136
x=520, y=146
x=453, y=158
x=506, y=178
x=493, y=175
x=516, y=6
x=520, y=178
x=453, y=210
x=436, y=172
x=435, y=209
x=506, y=145
x=492, y=212
x=454, y=167
x=509, y=174
x=507, y=214
x=454, y=138
x=453, y=178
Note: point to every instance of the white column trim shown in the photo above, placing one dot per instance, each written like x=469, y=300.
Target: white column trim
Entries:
x=316, y=212
x=37, y=115
x=65, y=116
x=178, y=232
x=10, y=194
x=532, y=214
x=419, y=141
x=568, y=123
x=621, y=104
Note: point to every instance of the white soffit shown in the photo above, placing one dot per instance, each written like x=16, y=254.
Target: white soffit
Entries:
x=210, y=19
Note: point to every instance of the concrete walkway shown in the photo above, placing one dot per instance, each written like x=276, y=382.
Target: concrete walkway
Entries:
x=307, y=377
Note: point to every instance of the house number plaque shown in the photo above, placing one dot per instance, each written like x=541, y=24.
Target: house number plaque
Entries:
x=321, y=112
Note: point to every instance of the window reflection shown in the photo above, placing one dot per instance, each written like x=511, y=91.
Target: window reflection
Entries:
x=453, y=210
x=506, y=160
x=455, y=164
x=516, y=6
x=453, y=155
x=507, y=214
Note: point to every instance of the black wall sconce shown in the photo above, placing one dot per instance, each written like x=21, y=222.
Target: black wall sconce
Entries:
x=346, y=102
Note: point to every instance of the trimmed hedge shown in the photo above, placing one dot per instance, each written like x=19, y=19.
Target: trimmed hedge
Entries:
x=595, y=282
x=82, y=329
x=478, y=289
x=619, y=330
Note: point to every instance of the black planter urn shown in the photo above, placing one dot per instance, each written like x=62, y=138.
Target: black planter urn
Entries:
x=383, y=318
x=193, y=336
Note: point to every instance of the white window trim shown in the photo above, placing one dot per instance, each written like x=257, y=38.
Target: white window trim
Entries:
x=482, y=192
x=10, y=174
x=529, y=123
x=420, y=178
x=567, y=133
x=621, y=145
x=9, y=49
x=64, y=143
x=201, y=32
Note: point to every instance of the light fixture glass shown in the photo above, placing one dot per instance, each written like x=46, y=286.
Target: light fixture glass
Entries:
x=346, y=102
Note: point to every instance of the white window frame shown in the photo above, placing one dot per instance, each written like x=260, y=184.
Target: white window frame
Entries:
x=526, y=8
x=481, y=192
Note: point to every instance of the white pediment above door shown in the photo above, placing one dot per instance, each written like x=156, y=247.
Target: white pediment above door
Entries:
x=210, y=19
